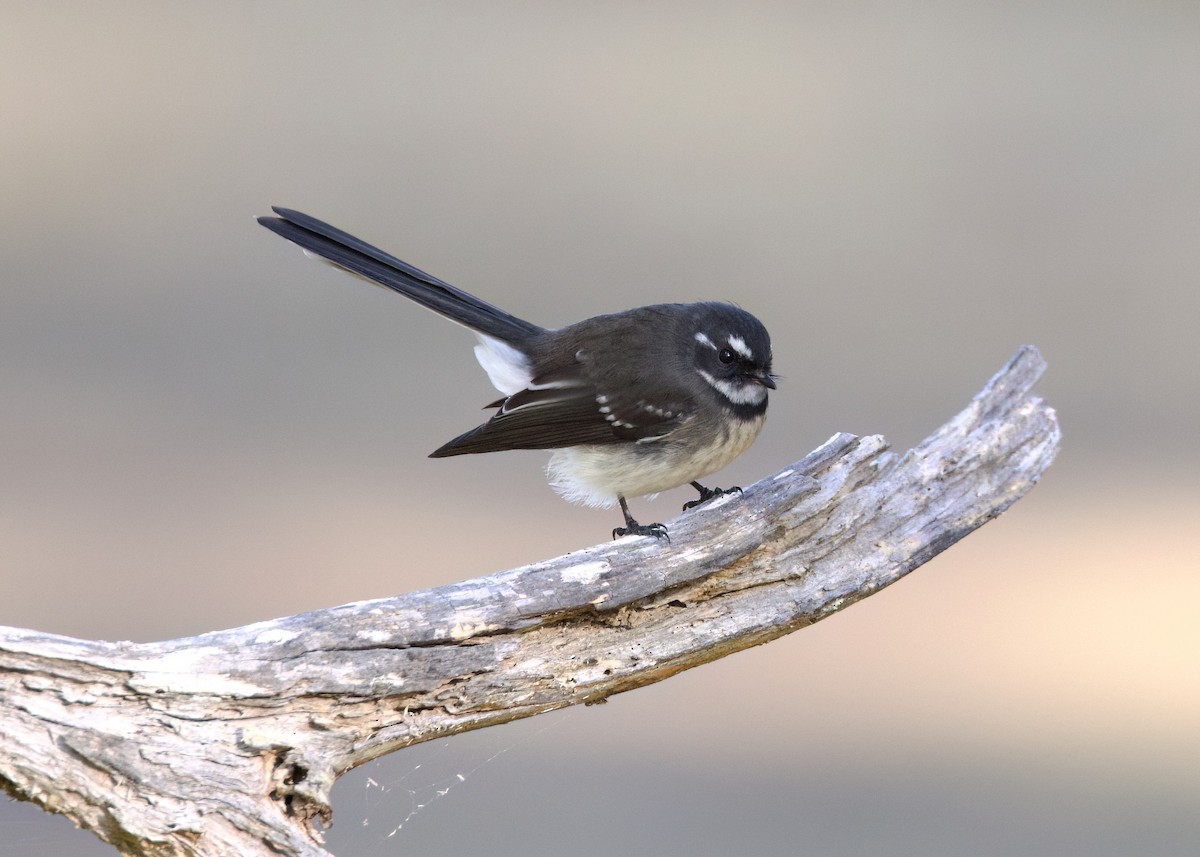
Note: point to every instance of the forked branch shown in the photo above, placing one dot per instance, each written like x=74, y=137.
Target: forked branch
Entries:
x=229, y=743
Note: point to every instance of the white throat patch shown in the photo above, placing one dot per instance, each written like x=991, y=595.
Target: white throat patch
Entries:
x=739, y=394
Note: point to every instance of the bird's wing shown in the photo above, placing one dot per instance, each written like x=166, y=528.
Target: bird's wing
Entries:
x=567, y=409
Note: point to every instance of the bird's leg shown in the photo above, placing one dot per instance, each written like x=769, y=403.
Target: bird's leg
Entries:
x=707, y=494
x=633, y=528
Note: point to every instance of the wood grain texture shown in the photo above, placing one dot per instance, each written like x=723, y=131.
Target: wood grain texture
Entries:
x=229, y=743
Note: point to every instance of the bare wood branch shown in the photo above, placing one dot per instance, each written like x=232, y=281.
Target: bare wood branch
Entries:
x=229, y=743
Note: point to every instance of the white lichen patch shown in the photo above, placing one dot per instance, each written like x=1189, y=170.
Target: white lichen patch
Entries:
x=195, y=683
x=386, y=684
x=192, y=671
x=586, y=572
x=276, y=635
x=374, y=635
x=467, y=628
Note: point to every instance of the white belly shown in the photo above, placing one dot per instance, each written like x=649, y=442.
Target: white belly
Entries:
x=595, y=475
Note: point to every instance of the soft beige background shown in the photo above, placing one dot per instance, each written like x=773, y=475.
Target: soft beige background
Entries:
x=202, y=428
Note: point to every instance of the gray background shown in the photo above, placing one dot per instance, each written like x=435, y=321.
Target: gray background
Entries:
x=202, y=428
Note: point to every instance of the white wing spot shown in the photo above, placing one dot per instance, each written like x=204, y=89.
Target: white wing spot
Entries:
x=652, y=439
x=654, y=409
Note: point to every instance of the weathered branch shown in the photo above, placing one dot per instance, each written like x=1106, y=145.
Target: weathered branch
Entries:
x=229, y=743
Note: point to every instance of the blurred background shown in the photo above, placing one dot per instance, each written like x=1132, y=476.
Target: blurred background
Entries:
x=202, y=428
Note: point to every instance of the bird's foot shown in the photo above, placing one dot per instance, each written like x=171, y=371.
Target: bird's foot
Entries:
x=633, y=528
x=659, y=531
x=707, y=494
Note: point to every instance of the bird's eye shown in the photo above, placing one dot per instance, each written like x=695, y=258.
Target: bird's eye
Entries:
x=726, y=356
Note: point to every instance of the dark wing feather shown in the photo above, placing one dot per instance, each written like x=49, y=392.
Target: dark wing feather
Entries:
x=549, y=418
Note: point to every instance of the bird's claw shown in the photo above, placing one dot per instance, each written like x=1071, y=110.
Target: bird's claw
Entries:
x=707, y=494
x=659, y=531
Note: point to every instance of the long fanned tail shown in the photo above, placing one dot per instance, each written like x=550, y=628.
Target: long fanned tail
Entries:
x=365, y=260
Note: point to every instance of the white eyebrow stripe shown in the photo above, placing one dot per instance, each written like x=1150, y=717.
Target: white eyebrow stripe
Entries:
x=704, y=340
x=739, y=345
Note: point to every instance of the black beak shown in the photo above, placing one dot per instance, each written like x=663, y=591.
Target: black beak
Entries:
x=764, y=378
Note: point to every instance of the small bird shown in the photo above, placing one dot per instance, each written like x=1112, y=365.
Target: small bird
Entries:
x=631, y=403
